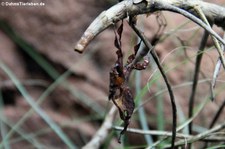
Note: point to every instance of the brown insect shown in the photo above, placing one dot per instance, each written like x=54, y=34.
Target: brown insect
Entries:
x=119, y=91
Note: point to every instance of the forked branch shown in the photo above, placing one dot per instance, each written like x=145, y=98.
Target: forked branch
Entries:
x=214, y=13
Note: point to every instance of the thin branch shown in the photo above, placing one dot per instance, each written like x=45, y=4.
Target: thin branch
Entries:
x=169, y=134
x=214, y=78
x=191, y=15
x=216, y=42
x=215, y=118
x=155, y=57
x=200, y=136
x=218, y=113
x=195, y=79
x=153, y=132
x=103, y=131
x=216, y=70
x=215, y=13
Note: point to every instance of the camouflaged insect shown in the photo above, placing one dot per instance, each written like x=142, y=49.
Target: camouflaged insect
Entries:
x=119, y=91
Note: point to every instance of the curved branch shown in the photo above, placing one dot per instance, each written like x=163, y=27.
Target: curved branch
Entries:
x=170, y=90
x=214, y=13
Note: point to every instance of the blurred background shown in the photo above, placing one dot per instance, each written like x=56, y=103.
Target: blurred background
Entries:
x=53, y=97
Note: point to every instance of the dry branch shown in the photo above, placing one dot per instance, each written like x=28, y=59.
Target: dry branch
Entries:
x=200, y=136
x=214, y=13
x=182, y=136
x=102, y=133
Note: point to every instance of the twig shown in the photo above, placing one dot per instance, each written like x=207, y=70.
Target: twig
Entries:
x=200, y=136
x=218, y=113
x=192, y=17
x=153, y=132
x=155, y=57
x=215, y=118
x=195, y=79
x=214, y=13
x=216, y=70
x=141, y=111
x=168, y=134
x=220, y=51
x=102, y=133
